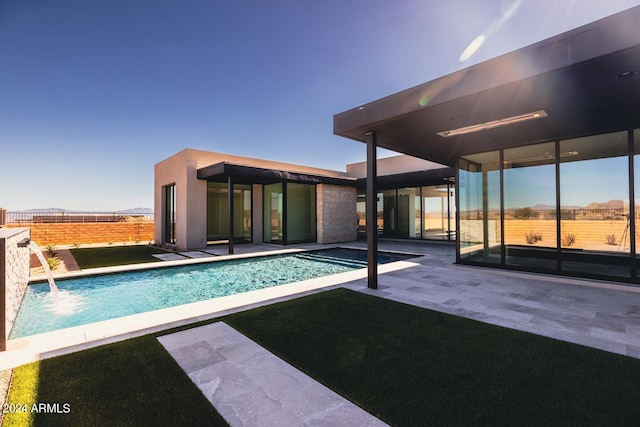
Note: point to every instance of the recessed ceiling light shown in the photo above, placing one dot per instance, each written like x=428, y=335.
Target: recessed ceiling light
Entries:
x=494, y=123
x=626, y=75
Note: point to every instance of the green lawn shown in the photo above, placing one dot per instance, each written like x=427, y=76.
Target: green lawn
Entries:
x=406, y=365
x=109, y=256
x=130, y=383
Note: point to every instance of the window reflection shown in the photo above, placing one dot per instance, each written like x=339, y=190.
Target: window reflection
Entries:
x=218, y=212
x=438, y=212
x=479, y=207
x=530, y=206
x=594, y=197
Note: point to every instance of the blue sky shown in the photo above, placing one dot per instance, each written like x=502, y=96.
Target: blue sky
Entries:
x=93, y=93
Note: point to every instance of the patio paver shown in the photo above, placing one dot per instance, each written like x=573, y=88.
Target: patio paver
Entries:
x=249, y=386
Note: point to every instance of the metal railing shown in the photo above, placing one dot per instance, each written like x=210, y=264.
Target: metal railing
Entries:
x=36, y=217
x=550, y=214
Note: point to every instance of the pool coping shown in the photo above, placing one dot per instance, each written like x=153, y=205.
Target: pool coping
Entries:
x=51, y=344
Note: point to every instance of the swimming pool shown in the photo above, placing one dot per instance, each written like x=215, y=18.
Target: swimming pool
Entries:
x=96, y=298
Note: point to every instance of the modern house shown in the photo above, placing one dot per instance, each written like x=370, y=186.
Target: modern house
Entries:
x=545, y=142
x=274, y=202
x=529, y=161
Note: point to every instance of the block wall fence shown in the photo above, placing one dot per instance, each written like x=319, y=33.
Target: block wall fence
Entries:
x=89, y=232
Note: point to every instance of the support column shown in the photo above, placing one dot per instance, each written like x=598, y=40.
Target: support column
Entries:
x=372, y=213
x=230, y=206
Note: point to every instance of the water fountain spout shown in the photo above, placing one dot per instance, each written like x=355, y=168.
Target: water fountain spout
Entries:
x=47, y=271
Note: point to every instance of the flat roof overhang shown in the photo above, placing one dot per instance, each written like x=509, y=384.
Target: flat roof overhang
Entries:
x=587, y=81
x=220, y=172
x=438, y=176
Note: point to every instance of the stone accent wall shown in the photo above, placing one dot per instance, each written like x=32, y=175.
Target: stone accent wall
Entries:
x=337, y=218
x=14, y=277
x=91, y=232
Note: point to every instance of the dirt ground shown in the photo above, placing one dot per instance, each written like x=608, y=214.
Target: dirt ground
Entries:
x=67, y=263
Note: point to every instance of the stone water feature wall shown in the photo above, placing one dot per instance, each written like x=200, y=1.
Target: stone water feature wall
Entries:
x=14, y=277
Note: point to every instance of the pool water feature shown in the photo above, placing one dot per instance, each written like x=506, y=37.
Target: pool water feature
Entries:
x=45, y=265
x=96, y=298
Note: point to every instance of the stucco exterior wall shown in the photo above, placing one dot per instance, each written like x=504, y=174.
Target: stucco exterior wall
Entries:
x=393, y=165
x=337, y=219
x=14, y=277
x=181, y=169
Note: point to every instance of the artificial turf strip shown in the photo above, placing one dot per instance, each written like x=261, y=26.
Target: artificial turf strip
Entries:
x=130, y=383
x=114, y=255
x=411, y=366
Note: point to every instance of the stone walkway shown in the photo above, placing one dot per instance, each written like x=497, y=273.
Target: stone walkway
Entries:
x=249, y=386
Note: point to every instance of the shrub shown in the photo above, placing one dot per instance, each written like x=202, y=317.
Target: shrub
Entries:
x=523, y=213
x=611, y=239
x=53, y=262
x=569, y=239
x=50, y=250
x=532, y=238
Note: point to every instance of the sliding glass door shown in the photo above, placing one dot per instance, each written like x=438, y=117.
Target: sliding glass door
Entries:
x=594, y=200
x=479, y=208
x=530, y=232
x=289, y=213
x=218, y=212
x=273, y=205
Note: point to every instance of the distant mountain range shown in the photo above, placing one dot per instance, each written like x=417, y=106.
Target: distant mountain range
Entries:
x=60, y=210
x=611, y=204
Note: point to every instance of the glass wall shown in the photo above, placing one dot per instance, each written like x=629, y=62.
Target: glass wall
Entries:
x=480, y=235
x=409, y=212
x=361, y=207
x=438, y=212
x=530, y=232
x=594, y=201
x=560, y=206
x=389, y=214
x=636, y=175
x=273, y=217
x=412, y=212
x=169, y=220
x=301, y=212
x=218, y=212
x=289, y=213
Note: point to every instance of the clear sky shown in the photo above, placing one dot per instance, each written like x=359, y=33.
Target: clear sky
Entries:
x=93, y=93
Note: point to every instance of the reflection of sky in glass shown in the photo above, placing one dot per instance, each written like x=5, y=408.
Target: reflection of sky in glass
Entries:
x=581, y=183
x=529, y=186
x=471, y=190
x=589, y=181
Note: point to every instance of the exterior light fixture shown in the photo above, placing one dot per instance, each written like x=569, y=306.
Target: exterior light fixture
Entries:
x=494, y=124
x=540, y=158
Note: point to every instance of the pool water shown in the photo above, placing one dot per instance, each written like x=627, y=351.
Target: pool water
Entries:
x=96, y=298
